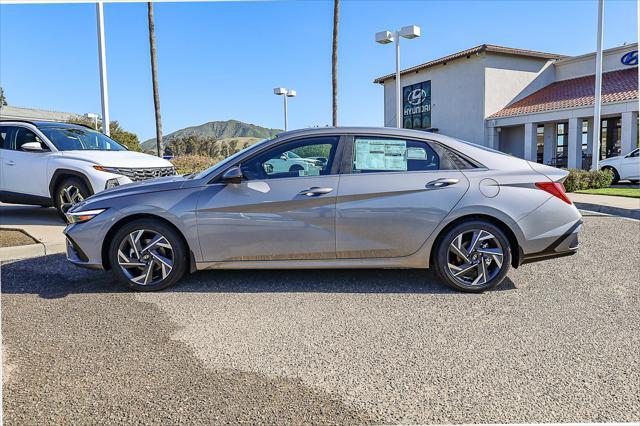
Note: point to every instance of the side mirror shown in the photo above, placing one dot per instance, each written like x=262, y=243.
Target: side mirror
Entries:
x=233, y=175
x=32, y=147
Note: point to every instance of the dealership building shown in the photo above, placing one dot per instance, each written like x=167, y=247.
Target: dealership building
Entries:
x=530, y=104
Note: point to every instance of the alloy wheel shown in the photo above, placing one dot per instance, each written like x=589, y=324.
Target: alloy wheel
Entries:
x=145, y=257
x=70, y=195
x=474, y=257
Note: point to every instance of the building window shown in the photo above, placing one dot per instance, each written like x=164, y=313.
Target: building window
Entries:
x=610, y=138
x=562, y=142
x=416, y=106
x=540, y=143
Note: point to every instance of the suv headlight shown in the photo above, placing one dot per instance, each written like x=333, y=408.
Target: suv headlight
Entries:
x=82, y=216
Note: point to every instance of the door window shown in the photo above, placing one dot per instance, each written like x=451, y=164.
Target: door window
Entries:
x=25, y=136
x=376, y=154
x=301, y=157
x=5, y=131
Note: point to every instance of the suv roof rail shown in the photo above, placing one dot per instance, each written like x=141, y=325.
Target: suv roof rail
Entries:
x=17, y=120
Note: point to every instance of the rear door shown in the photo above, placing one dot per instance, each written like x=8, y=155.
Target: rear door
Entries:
x=393, y=195
x=24, y=172
x=630, y=166
x=282, y=210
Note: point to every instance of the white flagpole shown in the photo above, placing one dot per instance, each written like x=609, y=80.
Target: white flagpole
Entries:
x=598, y=92
x=104, y=90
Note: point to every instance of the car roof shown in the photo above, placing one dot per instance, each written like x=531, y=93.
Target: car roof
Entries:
x=45, y=124
x=391, y=131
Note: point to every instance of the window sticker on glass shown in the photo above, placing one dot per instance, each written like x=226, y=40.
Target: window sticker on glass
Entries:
x=416, y=154
x=379, y=154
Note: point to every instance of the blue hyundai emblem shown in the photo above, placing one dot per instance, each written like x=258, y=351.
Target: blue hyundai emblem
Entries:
x=630, y=58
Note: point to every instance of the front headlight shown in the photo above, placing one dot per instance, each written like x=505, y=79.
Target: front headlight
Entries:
x=82, y=216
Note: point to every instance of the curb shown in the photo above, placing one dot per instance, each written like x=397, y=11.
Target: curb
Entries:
x=30, y=250
x=615, y=211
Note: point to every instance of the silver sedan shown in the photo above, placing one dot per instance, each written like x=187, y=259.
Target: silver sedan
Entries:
x=380, y=198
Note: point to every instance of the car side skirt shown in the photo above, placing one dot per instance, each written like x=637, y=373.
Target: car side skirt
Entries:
x=18, y=198
x=409, y=262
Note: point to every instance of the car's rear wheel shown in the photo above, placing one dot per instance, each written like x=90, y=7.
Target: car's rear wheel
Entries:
x=473, y=256
x=69, y=192
x=148, y=255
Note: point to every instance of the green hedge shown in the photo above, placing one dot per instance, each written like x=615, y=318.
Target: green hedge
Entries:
x=579, y=180
x=186, y=164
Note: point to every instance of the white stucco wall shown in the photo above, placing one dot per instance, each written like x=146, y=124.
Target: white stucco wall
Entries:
x=457, y=97
x=580, y=66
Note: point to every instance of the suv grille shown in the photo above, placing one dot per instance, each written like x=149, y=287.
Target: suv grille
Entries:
x=144, y=174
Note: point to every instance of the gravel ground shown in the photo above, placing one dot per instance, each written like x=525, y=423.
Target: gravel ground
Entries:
x=556, y=342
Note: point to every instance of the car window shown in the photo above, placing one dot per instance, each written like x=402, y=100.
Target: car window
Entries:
x=635, y=153
x=377, y=154
x=80, y=139
x=23, y=136
x=301, y=157
x=5, y=131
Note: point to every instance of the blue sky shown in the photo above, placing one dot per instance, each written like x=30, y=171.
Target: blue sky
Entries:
x=221, y=60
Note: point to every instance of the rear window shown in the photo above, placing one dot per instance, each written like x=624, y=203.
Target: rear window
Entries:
x=377, y=154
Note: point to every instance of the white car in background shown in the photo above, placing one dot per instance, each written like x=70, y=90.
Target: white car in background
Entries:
x=624, y=167
x=61, y=164
x=291, y=162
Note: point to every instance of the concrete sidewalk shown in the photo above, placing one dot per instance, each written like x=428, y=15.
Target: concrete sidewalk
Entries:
x=43, y=224
x=619, y=206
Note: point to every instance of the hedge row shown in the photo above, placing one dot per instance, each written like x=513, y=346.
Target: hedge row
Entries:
x=587, y=179
x=186, y=164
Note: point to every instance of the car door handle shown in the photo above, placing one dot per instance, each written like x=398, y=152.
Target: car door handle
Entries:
x=442, y=182
x=314, y=191
x=10, y=163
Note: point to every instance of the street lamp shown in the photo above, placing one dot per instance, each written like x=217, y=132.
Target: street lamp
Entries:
x=285, y=93
x=386, y=37
x=94, y=117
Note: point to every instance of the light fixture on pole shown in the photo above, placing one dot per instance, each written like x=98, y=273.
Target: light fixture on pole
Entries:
x=386, y=37
x=94, y=117
x=285, y=93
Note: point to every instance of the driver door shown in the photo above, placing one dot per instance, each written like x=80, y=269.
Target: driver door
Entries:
x=275, y=212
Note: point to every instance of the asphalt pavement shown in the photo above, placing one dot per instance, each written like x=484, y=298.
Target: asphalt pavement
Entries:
x=556, y=342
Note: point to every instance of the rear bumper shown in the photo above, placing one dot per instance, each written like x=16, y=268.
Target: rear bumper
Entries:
x=565, y=245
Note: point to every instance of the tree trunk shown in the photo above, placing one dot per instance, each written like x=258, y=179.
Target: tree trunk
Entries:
x=154, y=79
x=334, y=60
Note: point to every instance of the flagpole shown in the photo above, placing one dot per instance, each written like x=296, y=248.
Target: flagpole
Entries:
x=598, y=92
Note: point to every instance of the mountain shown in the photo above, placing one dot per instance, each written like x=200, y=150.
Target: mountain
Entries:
x=215, y=130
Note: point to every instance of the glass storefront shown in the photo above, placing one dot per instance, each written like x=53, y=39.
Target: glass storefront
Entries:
x=610, y=137
x=562, y=144
x=540, y=143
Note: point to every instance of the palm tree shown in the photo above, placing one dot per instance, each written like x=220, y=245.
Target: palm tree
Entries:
x=154, y=79
x=334, y=60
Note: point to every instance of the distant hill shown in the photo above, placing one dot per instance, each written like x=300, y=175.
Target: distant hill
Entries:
x=215, y=130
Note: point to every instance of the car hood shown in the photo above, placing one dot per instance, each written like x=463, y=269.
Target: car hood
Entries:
x=610, y=159
x=152, y=185
x=128, y=159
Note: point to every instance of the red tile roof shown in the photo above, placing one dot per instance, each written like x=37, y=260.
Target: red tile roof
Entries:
x=621, y=85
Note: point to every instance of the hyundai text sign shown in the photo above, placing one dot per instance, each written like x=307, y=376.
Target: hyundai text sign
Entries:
x=416, y=102
x=630, y=58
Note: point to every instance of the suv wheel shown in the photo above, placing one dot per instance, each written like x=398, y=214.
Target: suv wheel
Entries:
x=473, y=256
x=147, y=255
x=70, y=191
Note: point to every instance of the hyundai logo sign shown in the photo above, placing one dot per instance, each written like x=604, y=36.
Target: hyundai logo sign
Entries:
x=630, y=58
x=418, y=96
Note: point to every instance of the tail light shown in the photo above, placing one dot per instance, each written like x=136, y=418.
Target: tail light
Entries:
x=556, y=189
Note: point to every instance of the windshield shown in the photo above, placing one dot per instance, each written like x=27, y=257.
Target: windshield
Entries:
x=80, y=139
x=229, y=159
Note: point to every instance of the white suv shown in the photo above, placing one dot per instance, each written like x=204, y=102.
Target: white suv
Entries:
x=59, y=164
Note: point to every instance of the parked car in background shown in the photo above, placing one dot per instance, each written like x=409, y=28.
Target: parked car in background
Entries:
x=291, y=162
x=624, y=167
x=60, y=164
x=390, y=198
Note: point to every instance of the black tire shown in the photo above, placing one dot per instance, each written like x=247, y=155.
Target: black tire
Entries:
x=616, y=176
x=179, y=255
x=296, y=168
x=76, y=187
x=442, y=257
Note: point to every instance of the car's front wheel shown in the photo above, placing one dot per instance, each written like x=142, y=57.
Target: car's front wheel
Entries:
x=614, y=172
x=70, y=191
x=148, y=255
x=473, y=256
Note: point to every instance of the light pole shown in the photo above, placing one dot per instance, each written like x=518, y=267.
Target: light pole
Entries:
x=104, y=91
x=285, y=93
x=386, y=37
x=94, y=117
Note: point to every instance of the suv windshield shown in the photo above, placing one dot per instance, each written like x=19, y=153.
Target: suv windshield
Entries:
x=80, y=139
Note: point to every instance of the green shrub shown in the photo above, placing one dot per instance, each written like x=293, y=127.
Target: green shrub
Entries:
x=186, y=164
x=579, y=180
